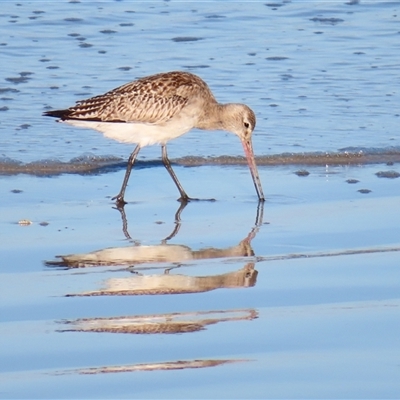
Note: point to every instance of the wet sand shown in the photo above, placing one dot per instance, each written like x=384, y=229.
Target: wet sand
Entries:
x=298, y=298
x=91, y=164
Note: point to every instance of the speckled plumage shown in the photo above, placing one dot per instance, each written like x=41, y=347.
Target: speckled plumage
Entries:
x=154, y=99
x=159, y=108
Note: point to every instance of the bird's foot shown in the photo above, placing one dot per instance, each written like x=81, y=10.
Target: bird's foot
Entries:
x=119, y=201
x=187, y=199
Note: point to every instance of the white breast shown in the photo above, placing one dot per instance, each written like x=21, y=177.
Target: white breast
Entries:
x=133, y=132
x=143, y=134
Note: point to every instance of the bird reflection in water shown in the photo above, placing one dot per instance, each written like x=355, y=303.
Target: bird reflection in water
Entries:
x=170, y=323
x=178, y=322
x=161, y=284
x=175, y=254
x=163, y=366
x=161, y=253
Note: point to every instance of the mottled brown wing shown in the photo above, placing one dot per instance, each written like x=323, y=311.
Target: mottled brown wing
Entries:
x=153, y=99
x=128, y=107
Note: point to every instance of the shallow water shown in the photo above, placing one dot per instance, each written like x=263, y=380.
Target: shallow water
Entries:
x=298, y=298
x=320, y=76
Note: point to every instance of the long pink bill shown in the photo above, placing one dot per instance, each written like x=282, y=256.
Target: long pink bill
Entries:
x=248, y=150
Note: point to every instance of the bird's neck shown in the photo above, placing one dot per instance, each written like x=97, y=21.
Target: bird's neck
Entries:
x=214, y=118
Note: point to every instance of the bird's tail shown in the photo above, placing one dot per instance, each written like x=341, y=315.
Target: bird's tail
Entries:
x=62, y=114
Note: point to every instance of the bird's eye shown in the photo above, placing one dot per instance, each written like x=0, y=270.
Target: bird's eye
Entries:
x=246, y=125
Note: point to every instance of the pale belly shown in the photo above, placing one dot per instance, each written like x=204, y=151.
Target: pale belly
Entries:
x=142, y=134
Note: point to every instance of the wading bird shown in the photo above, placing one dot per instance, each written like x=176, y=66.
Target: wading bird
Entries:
x=159, y=108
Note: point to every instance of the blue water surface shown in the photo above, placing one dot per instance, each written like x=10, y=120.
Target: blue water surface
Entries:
x=295, y=298
x=320, y=76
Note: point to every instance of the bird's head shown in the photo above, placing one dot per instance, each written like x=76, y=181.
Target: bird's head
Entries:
x=240, y=120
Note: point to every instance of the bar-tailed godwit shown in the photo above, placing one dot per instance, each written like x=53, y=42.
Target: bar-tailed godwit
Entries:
x=159, y=108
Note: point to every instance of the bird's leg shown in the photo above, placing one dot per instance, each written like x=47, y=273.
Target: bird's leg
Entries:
x=177, y=222
x=120, y=196
x=184, y=197
x=120, y=208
